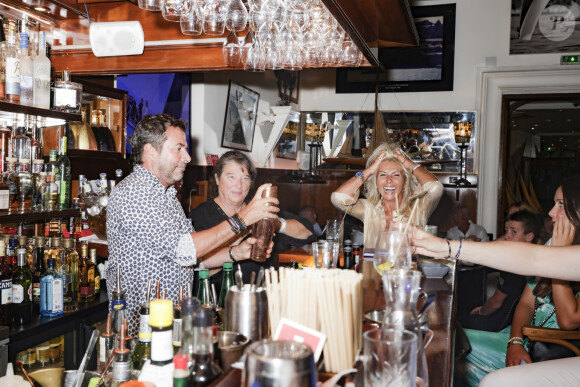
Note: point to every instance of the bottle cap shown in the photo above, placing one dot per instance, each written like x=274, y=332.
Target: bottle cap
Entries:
x=161, y=313
x=38, y=161
x=180, y=361
x=202, y=318
x=347, y=249
x=67, y=243
x=348, y=242
x=21, y=251
x=24, y=161
x=39, y=241
x=228, y=265
x=189, y=305
x=22, y=240
x=203, y=274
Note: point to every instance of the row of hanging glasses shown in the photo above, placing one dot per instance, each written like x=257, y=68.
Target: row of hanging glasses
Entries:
x=282, y=34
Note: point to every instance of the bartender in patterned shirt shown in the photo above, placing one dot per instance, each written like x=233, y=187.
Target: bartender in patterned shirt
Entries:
x=148, y=233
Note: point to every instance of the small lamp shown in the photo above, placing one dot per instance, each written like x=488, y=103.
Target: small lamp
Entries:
x=462, y=132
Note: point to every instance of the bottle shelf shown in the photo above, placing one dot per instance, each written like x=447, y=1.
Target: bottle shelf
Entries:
x=37, y=216
x=53, y=117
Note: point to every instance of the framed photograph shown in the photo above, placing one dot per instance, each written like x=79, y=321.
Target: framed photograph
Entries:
x=428, y=67
x=544, y=26
x=287, y=145
x=240, y=119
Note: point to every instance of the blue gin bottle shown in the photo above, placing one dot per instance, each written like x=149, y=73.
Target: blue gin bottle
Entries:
x=51, y=291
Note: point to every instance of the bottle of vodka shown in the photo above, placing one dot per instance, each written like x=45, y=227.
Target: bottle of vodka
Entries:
x=41, y=69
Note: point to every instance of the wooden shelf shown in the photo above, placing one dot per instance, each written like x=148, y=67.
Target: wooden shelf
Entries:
x=37, y=216
x=54, y=117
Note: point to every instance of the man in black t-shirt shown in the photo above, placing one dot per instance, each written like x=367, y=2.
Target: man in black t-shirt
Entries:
x=497, y=312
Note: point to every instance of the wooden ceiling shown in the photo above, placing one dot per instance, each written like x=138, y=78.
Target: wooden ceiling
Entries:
x=370, y=23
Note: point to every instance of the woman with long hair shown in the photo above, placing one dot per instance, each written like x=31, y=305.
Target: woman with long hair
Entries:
x=392, y=183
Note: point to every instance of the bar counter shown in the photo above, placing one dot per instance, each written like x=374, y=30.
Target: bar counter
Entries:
x=441, y=313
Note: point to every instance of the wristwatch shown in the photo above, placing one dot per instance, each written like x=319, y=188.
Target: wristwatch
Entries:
x=360, y=175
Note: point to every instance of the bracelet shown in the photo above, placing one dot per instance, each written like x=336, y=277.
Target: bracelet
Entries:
x=515, y=339
x=233, y=225
x=415, y=167
x=459, y=249
x=231, y=254
x=449, y=247
x=240, y=222
x=282, y=225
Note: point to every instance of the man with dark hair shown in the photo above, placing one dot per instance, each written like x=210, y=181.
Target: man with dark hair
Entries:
x=148, y=233
x=498, y=310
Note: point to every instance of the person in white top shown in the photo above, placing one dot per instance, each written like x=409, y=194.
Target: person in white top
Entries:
x=465, y=228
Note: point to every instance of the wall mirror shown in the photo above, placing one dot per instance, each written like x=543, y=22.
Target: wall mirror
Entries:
x=430, y=137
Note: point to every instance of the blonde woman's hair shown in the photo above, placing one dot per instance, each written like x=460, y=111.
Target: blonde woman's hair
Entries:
x=410, y=182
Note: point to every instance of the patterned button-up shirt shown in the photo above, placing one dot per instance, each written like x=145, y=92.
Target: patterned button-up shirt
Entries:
x=149, y=237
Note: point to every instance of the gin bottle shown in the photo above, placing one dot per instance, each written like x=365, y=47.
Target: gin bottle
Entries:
x=51, y=299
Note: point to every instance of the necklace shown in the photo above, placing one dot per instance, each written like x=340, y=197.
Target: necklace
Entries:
x=228, y=211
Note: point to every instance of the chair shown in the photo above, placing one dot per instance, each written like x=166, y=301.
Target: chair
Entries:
x=553, y=335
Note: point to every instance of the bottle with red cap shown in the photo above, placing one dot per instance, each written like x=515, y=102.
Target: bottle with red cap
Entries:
x=181, y=372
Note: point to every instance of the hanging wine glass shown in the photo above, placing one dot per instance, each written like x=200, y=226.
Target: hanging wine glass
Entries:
x=249, y=41
x=214, y=17
x=348, y=55
x=192, y=22
x=150, y=5
x=236, y=16
x=231, y=49
x=255, y=59
x=173, y=10
x=257, y=19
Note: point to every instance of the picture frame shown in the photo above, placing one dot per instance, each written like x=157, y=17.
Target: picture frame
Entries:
x=288, y=142
x=240, y=117
x=544, y=27
x=428, y=67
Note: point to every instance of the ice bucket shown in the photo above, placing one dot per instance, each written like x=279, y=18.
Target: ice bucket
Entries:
x=247, y=312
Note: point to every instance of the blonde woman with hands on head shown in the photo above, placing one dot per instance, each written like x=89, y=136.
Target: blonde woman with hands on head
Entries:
x=390, y=181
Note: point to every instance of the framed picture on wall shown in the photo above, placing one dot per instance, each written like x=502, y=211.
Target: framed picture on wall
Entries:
x=240, y=118
x=428, y=67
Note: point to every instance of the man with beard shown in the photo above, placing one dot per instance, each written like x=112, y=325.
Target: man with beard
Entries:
x=148, y=233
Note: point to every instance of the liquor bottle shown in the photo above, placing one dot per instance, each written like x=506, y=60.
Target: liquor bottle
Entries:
x=106, y=132
x=93, y=254
x=122, y=359
x=177, y=322
x=2, y=60
x=51, y=299
x=96, y=128
x=51, y=193
x=21, y=144
x=83, y=134
x=11, y=252
x=72, y=271
x=36, y=142
x=64, y=170
x=181, y=374
x=86, y=276
x=227, y=282
x=188, y=308
x=12, y=66
x=118, y=304
x=203, y=370
x=21, y=291
x=26, y=73
x=24, y=185
x=106, y=345
x=67, y=95
x=103, y=196
x=118, y=175
x=41, y=69
x=5, y=287
x=9, y=178
x=161, y=321
x=142, y=351
x=52, y=165
x=39, y=269
x=4, y=196
x=38, y=186
x=30, y=245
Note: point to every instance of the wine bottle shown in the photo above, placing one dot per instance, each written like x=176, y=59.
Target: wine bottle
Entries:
x=21, y=291
x=39, y=269
x=142, y=351
x=64, y=170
